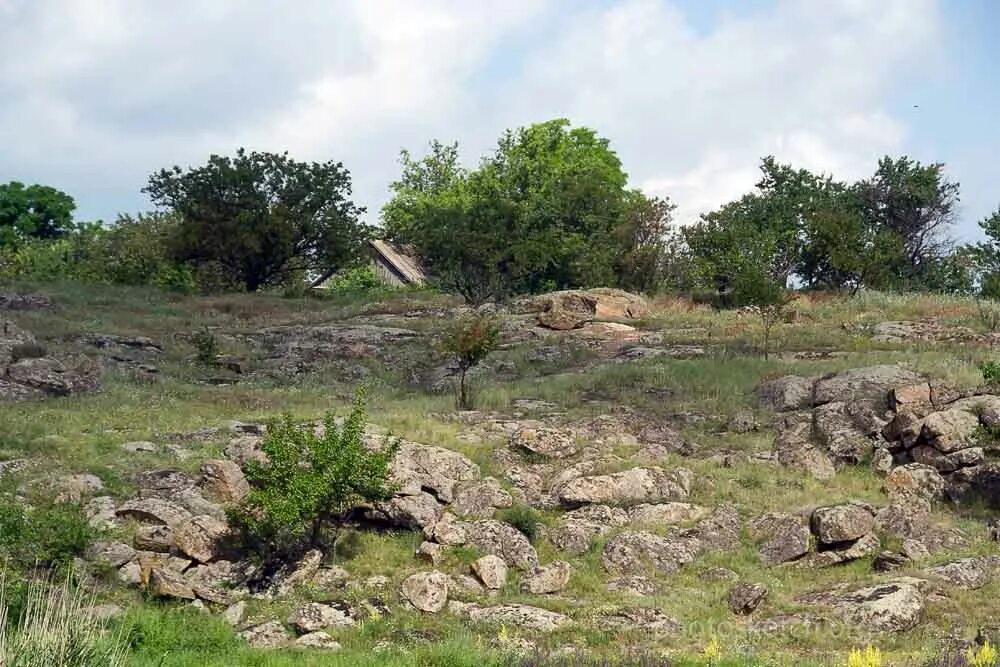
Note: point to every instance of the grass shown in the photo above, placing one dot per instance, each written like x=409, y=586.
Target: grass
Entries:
x=85, y=434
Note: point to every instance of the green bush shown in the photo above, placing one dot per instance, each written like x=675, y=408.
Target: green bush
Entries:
x=991, y=372
x=309, y=482
x=358, y=279
x=206, y=346
x=468, y=343
x=50, y=535
x=524, y=518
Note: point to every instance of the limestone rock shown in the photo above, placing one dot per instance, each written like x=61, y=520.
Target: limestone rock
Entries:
x=950, y=430
x=550, y=578
x=578, y=528
x=517, y=616
x=917, y=479
x=271, y=634
x=422, y=468
x=791, y=392
x=314, y=616
x=427, y=591
x=491, y=570
x=633, y=552
x=224, y=480
x=889, y=607
x=630, y=487
x=745, y=597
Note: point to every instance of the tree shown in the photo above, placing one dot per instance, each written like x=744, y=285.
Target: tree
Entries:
x=34, y=211
x=307, y=483
x=262, y=217
x=647, y=243
x=469, y=342
x=756, y=288
x=917, y=203
x=539, y=213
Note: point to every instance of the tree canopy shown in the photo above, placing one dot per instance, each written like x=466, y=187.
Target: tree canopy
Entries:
x=33, y=211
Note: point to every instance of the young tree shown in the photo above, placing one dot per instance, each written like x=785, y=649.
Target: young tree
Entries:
x=263, y=217
x=755, y=287
x=33, y=211
x=308, y=482
x=469, y=342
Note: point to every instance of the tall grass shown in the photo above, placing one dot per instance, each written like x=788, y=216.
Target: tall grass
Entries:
x=57, y=627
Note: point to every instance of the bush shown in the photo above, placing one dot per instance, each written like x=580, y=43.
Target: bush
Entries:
x=56, y=626
x=309, y=483
x=524, y=518
x=50, y=535
x=206, y=346
x=469, y=342
x=27, y=351
x=358, y=279
x=989, y=313
x=991, y=373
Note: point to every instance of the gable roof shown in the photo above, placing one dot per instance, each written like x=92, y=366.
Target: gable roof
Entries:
x=401, y=260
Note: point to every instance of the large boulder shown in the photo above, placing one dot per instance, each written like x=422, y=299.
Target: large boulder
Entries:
x=872, y=383
x=420, y=468
x=571, y=309
x=491, y=570
x=967, y=573
x=842, y=523
x=950, y=430
x=945, y=463
x=514, y=615
x=917, y=479
x=502, y=539
x=201, y=538
x=630, y=487
x=427, y=591
x=794, y=448
x=780, y=537
x=224, y=480
x=578, y=528
x=153, y=511
x=545, y=442
x=791, y=392
x=480, y=498
x=978, y=484
x=633, y=552
x=550, y=578
x=889, y=607
x=837, y=429
x=53, y=377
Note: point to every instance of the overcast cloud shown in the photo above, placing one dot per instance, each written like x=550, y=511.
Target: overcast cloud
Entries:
x=96, y=94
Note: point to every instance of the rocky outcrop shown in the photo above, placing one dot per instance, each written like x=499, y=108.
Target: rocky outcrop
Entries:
x=550, y=578
x=514, y=615
x=842, y=523
x=545, y=442
x=501, y=539
x=578, y=528
x=572, y=309
x=491, y=570
x=630, y=487
x=890, y=607
x=780, y=537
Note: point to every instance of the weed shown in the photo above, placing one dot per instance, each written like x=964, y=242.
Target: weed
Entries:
x=524, y=518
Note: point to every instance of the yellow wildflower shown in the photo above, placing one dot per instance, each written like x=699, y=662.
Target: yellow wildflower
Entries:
x=986, y=656
x=870, y=657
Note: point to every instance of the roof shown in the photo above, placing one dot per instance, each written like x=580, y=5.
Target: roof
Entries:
x=401, y=260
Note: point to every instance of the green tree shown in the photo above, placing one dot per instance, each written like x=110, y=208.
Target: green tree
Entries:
x=263, y=217
x=985, y=257
x=648, y=245
x=541, y=212
x=33, y=211
x=469, y=342
x=307, y=483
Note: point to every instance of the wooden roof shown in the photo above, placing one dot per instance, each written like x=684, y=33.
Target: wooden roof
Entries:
x=401, y=260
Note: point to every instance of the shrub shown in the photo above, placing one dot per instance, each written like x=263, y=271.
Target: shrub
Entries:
x=27, y=351
x=469, y=342
x=989, y=313
x=206, y=346
x=358, y=279
x=991, y=372
x=56, y=626
x=524, y=518
x=309, y=482
x=50, y=535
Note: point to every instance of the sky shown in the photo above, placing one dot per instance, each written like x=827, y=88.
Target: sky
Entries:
x=97, y=94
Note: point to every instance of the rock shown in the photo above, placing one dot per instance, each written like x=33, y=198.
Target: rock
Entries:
x=781, y=537
x=73, y=488
x=635, y=584
x=25, y=302
x=793, y=447
x=427, y=591
x=578, y=528
x=52, y=377
x=297, y=573
x=844, y=552
x=835, y=427
x=130, y=574
x=571, y=309
x=633, y=552
x=745, y=597
x=978, y=484
x=904, y=427
x=950, y=430
x=791, y=392
x=415, y=512
x=103, y=612
x=649, y=619
x=550, y=578
x=743, y=421
x=910, y=396
x=234, y=613
x=154, y=538
x=314, y=616
x=201, y=537
x=419, y=468
x=881, y=461
x=491, y=570
x=463, y=583
x=666, y=514
x=318, y=640
x=872, y=383
x=887, y=561
x=517, y=616
x=329, y=578
x=890, y=607
x=432, y=552
x=659, y=440
x=140, y=447
x=718, y=532
x=906, y=515
x=917, y=479
x=166, y=583
x=545, y=442
x=224, y=481
x=447, y=530
x=630, y=487
x=967, y=573
x=503, y=540
x=271, y=634
x=480, y=498
x=842, y=523
x=946, y=463
x=153, y=510
x=110, y=554
x=100, y=511
x=245, y=448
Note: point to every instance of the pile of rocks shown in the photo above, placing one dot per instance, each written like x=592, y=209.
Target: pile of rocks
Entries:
x=827, y=536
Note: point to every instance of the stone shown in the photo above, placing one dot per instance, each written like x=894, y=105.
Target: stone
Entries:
x=745, y=597
x=545, y=442
x=882, y=461
x=571, y=309
x=630, y=487
x=52, y=377
x=501, y=539
x=447, y=530
x=201, y=538
x=73, y=488
x=271, y=634
x=666, y=514
x=140, y=447
x=967, y=573
x=550, y=578
x=318, y=640
x=427, y=591
x=522, y=616
x=165, y=583
x=414, y=512
x=649, y=619
x=329, y=578
x=154, y=511
x=842, y=523
x=916, y=479
x=578, y=528
x=843, y=552
x=224, y=480
x=464, y=583
x=791, y=392
x=835, y=428
x=234, y=613
x=110, y=554
x=950, y=430
x=491, y=570
x=245, y=448
x=315, y=616
x=780, y=537
x=793, y=448
x=872, y=383
x=635, y=584
x=432, y=552
x=130, y=574
x=154, y=538
x=103, y=612
x=976, y=484
x=743, y=421
x=945, y=463
x=887, y=561
x=909, y=396
x=480, y=498
x=888, y=607
x=634, y=552
x=905, y=427
x=297, y=573
x=420, y=468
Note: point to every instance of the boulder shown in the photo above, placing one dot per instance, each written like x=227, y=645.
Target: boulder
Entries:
x=73, y=488
x=793, y=448
x=201, y=537
x=52, y=377
x=666, y=514
x=314, y=616
x=630, y=487
x=872, y=383
x=480, y=498
x=791, y=392
x=945, y=463
x=780, y=537
x=154, y=538
x=110, y=554
x=546, y=442
x=224, y=480
x=271, y=634
x=889, y=607
x=842, y=523
x=571, y=309
x=501, y=539
x=907, y=515
x=950, y=430
x=447, y=530
x=427, y=591
x=905, y=427
x=745, y=597
x=910, y=396
x=515, y=615
x=836, y=429
x=916, y=479
x=420, y=468
x=634, y=552
x=967, y=573
x=887, y=561
x=865, y=546
x=153, y=510
x=578, y=528
x=296, y=573
x=550, y=578
x=491, y=570
x=432, y=552
x=415, y=512
x=649, y=619
x=318, y=640
x=978, y=484
x=165, y=583
x=882, y=461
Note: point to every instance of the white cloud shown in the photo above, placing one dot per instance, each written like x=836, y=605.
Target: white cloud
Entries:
x=100, y=92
